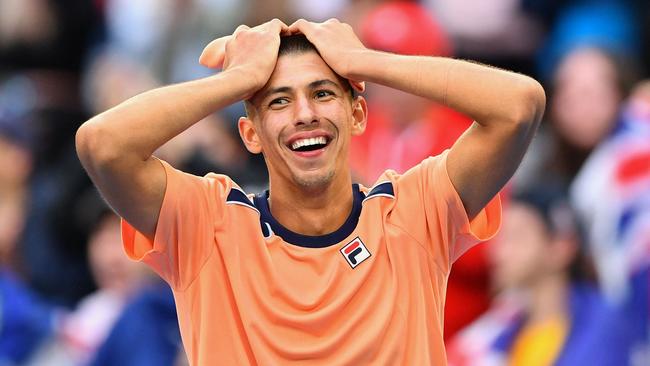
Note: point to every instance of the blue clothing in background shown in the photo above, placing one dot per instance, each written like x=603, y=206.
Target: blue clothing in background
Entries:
x=598, y=335
x=146, y=334
x=25, y=321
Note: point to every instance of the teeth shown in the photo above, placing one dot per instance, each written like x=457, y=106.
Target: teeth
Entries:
x=308, y=142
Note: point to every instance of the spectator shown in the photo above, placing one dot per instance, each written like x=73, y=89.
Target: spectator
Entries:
x=612, y=195
x=26, y=321
x=149, y=323
x=117, y=279
x=557, y=317
x=588, y=87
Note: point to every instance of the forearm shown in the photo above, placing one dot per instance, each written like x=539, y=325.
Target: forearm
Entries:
x=486, y=94
x=140, y=125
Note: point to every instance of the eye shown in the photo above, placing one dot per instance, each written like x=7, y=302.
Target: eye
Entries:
x=278, y=102
x=323, y=94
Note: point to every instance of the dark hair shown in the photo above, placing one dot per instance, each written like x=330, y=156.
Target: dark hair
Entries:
x=296, y=44
x=560, y=220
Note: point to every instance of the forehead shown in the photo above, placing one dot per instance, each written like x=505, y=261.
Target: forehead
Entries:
x=297, y=70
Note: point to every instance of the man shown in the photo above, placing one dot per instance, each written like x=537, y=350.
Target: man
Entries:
x=315, y=270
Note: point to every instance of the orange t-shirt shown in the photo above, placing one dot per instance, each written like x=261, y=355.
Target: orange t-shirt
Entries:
x=249, y=291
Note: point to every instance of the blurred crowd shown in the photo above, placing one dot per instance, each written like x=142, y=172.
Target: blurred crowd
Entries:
x=566, y=282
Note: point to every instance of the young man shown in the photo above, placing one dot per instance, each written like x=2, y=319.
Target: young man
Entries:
x=315, y=271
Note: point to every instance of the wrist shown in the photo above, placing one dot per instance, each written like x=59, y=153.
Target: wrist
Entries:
x=360, y=64
x=243, y=83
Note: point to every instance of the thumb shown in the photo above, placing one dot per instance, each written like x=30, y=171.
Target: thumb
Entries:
x=214, y=53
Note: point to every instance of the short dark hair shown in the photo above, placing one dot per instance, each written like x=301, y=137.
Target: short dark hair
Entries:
x=296, y=44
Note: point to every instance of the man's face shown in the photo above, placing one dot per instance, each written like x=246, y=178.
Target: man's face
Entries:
x=303, y=119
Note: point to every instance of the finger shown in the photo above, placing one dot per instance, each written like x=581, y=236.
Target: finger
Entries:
x=301, y=26
x=359, y=86
x=276, y=26
x=214, y=53
x=241, y=28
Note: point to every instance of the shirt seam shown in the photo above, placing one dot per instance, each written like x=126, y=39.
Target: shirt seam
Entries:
x=198, y=273
x=431, y=256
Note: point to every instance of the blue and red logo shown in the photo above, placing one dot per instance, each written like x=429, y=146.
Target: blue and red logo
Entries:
x=355, y=252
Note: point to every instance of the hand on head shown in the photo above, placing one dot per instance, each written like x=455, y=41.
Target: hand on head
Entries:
x=336, y=42
x=255, y=50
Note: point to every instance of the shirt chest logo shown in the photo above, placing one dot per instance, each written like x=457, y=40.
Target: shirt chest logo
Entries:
x=355, y=252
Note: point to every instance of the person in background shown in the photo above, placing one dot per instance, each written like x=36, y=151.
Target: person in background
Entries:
x=587, y=62
x=548, y=312
x=26, y=320
x=611, y=194
x=150, y=316
x=118, y=279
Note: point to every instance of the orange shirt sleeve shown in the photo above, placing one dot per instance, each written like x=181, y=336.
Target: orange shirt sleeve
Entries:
x=430, y=209
x=191, y=212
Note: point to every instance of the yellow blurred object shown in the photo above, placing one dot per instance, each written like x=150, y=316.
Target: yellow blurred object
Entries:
x=539, y=344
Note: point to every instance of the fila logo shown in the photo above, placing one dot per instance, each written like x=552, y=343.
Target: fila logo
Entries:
x=355, y=252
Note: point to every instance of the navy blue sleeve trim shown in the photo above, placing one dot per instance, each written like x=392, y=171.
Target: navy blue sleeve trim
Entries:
x=237, y=197
x=383, y=189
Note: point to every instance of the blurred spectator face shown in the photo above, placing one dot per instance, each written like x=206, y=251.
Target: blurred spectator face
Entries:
x=113, y=78
x=12, y=220
x=111, y=269
x=519, y=254
x=586, y=98
x=16, y=165
x=26, y=21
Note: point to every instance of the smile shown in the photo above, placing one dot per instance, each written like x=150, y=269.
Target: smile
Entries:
x=309, y=144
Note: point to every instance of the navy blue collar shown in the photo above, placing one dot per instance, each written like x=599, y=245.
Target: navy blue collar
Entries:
x=307, y=241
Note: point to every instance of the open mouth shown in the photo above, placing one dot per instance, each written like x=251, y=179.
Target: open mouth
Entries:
x=309, y=144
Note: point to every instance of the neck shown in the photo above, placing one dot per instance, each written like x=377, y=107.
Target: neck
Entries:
x=314, y=211
x=549, y=298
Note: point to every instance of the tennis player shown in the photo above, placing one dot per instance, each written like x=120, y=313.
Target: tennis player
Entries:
x=316, y=270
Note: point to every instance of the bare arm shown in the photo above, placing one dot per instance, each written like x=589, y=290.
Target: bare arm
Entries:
x=506, y=106
x=115, y=147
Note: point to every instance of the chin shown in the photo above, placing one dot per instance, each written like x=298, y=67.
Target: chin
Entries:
x=315, y=180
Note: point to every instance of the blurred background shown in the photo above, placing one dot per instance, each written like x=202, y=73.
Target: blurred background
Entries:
x=566, y=282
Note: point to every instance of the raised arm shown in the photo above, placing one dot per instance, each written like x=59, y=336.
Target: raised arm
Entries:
x=116, y=146
x=507, y=107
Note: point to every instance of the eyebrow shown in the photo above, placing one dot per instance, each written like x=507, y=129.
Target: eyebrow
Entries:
x=319, y=83
x=287, y=89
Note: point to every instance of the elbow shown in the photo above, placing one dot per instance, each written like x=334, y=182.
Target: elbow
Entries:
x=94, y=147
x=528, y=109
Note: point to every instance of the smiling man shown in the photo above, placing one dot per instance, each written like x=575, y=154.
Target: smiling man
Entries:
x=316, y=270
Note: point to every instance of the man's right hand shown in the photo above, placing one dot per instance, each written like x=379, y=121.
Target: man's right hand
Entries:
x=115, y=146
x=251, y=51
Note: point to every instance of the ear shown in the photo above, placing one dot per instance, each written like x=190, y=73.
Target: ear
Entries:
x=359, y=115
x=249, y=135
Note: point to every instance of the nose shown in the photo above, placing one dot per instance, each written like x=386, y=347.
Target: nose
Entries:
x=305, y=112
